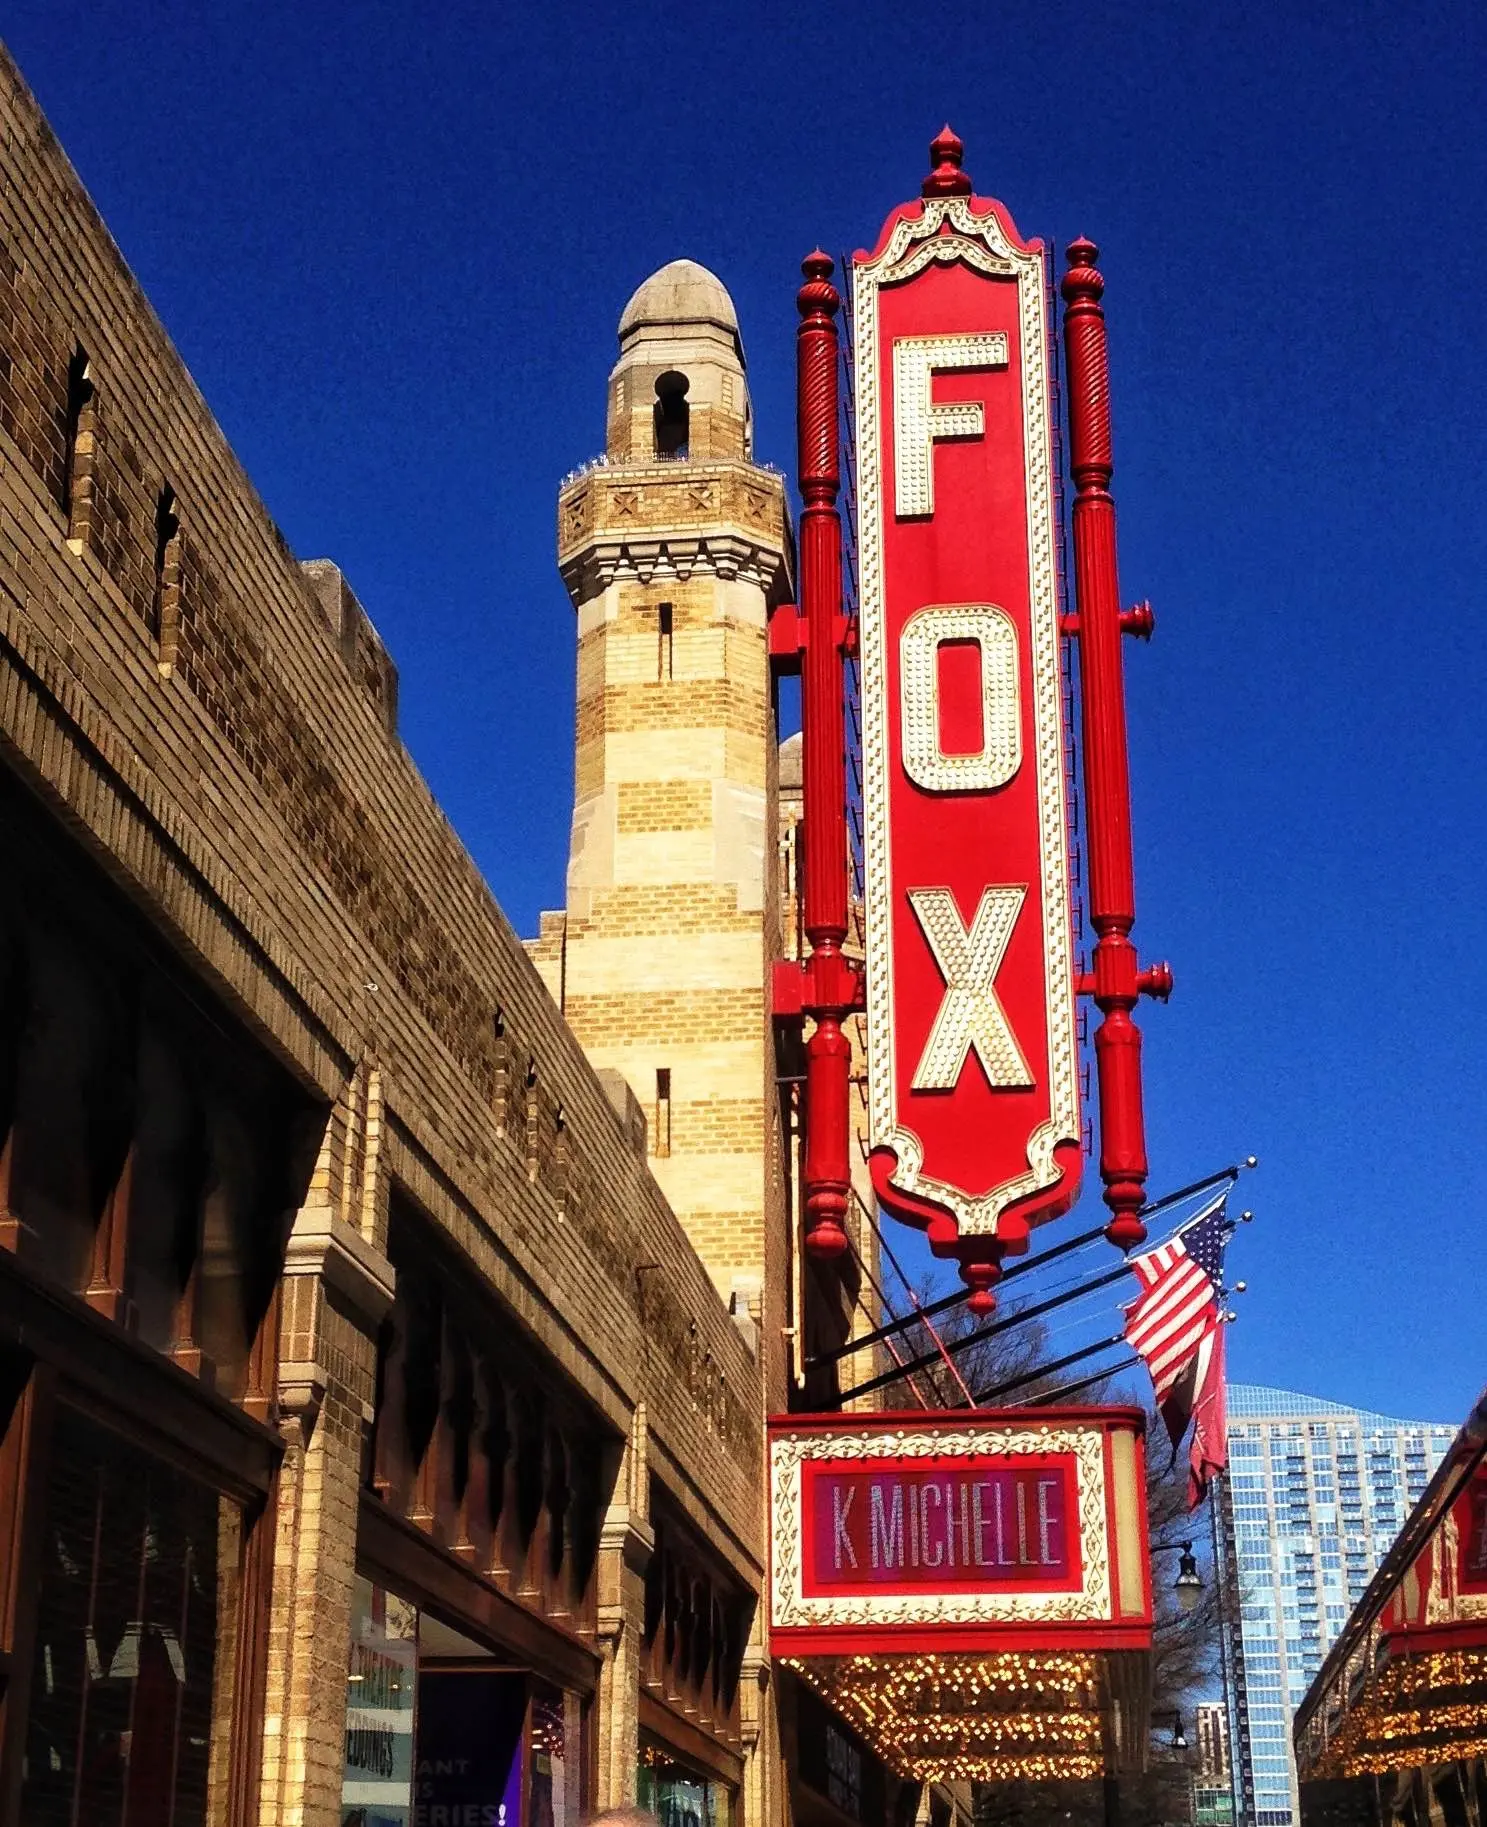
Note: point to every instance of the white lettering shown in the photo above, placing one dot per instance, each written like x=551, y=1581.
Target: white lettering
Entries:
x=1045, y=1520
x=999, y=754
x=980, y=1521
x=927, y=1491
x=886, y=1528
x=970, y=1014
x=964, y=1523
x=918, y=424
x=1024, y=1559
x=840, y=1540
x=1002, y=1556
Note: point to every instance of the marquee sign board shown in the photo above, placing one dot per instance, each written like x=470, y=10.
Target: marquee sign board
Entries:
x=1471, y=1528
x=973, y=1086
x=951, y=1531
x=1440, y=1600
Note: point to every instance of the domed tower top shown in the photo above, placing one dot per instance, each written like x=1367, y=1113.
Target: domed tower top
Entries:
x=678, y=391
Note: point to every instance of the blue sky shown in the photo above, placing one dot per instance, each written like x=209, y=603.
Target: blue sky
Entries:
x=392, y=243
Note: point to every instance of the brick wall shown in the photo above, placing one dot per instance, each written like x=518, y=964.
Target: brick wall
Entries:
x=218, y=722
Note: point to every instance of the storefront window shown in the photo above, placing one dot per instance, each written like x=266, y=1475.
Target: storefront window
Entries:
x=443, y=1732
x=130, y=1720
x=470, y=1725
x=381, y=1687
x=678, y=1796
x=547, y=1795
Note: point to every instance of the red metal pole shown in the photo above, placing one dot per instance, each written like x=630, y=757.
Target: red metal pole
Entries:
x=831, y=982
x=1116, y=982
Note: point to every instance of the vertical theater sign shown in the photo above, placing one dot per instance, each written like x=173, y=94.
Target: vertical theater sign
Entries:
x=971, y=1589
x=971, y=980
x=974, y=1100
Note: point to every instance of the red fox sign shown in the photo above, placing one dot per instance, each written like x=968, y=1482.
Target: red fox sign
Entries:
x=973, y=1089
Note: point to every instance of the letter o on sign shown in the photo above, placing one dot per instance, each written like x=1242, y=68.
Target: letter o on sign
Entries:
x=1000, y=753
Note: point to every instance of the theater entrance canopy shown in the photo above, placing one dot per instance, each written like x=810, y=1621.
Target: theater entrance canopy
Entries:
x=970, y=1591
x=1403, y=1694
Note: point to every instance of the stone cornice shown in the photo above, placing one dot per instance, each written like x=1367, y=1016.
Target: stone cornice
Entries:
x=674, y=520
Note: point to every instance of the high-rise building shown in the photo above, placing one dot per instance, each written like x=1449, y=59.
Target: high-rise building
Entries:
x=1213, y=1783
x=1316, y=1492
x=1213, y=1741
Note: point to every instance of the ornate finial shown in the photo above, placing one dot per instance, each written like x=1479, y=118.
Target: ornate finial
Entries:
x=1082, y=280
x=981, y=1274
x=818, y=294
x=946, y=179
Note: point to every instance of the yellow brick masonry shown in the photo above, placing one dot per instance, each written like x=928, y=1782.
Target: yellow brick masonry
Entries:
x=254, y=801
x=665, y=805
x=664, y=956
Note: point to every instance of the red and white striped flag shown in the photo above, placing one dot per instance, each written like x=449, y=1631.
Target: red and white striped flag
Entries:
x=1176, y=1324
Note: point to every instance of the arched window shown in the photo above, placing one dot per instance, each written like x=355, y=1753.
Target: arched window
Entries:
x=672, y=415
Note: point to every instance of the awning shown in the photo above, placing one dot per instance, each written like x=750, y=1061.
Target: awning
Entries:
x=996, y=1716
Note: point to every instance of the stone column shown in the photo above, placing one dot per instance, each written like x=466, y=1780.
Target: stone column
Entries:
x=337, y=1287
x=626, y=1543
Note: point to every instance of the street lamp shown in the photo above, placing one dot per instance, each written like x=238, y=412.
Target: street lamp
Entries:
x=1178, y=1741
x=1189, y=1582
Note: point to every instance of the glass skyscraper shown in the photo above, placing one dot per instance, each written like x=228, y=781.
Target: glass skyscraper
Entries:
x=1315, y=1495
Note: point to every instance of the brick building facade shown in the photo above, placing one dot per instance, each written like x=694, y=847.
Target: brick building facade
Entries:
x=368, y=1401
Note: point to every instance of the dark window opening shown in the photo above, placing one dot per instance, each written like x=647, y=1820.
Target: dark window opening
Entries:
x=79, y=400
x=673, y=416
x=663, y=1111
x=163, y=602
x=664, y=621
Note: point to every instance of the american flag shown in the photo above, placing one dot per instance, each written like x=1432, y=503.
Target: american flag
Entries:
x=1176, y=1324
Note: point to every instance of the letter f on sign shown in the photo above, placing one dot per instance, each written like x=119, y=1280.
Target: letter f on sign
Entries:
x=970, y=1014
x=918, y=424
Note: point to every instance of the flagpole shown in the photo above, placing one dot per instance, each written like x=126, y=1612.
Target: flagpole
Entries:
x=1047, y=1370
x=933, y=1309
x=1097, y=1376
x=982, y=1333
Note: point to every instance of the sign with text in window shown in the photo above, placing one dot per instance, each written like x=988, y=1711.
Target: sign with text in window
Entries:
x=977, y=1524
x=972, y=1055
x=954, y=1530
x=381, y=1694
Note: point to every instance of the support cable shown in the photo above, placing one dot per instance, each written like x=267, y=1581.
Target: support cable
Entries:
x=1047, y=1370
x=909, y=1289
x=932, y=1309
x=903, y=1370
x=983, y=1333
x=1098, y=1376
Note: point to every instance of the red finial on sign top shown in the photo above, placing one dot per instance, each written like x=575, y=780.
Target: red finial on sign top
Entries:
x=946, y=179
x=818, y=293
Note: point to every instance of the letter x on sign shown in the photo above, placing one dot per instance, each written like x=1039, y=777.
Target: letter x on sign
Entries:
x=970, y=1014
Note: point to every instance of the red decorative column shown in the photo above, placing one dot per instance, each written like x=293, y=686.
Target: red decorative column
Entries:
x=831, y=982
x=1116, y=981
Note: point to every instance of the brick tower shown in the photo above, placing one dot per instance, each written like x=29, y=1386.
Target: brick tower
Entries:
x=675, y=546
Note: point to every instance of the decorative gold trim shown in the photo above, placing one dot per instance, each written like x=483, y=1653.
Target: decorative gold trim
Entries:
x=791, y=1609
x=983, y=244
